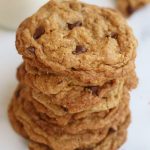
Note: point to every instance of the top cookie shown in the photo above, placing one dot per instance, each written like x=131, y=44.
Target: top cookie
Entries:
x=70, y=37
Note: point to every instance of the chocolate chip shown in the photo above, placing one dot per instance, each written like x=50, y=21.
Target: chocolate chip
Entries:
x=95, y=90
x=111, y=82
x=39, y=32
x=64, y=109
x=130, y=10
x=31, y=49
x=79, y=49
x=43, y=116
x=112, y=130
x=73, y=69
x=114, y=35
x=17, y=94
x=73, y=25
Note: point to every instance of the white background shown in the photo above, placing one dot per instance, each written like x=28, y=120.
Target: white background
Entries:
x=139, y=131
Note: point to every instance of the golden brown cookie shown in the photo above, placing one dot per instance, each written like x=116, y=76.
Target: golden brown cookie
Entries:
x=112, y=142
x=53, y=137
x=72, y=97
x=96, y=120
x=62, y=106
x=128, y=7
x=85, y=42
x=71, y=123
x=68, y=118
x=18, y=127
x=131, y=77
x=54, y=84
x=78, y=69
x=60, y=115
x=37, y=146
x=80, y=103
x=35, y=133
x=39, y=135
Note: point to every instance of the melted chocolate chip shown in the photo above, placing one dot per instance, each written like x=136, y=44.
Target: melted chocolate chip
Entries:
x=79, y=49
x=64, y=109
x=114, y=35
x=17, y=94
x=130, y=10
x=112, y=130
x=39, y=32
x=111, y=82
x=73, y=69
x=76, y=24
x=95, y=90
x=43, y=116
x=31, y=49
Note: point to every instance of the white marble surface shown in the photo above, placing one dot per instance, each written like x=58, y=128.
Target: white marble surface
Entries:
x=139, y=131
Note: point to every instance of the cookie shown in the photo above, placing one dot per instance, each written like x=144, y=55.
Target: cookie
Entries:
x=18, y=127
x=128, y=7
x=112, y=142
x=72, y=97
x=58, y=114
x=37, y=146
x=91, y=122
x=54, y=84
x=52, y=136
x=90, y=78
x=69, y=118
x=71, y=123
x=74, y=83
x=37, y=134
x=78, y=40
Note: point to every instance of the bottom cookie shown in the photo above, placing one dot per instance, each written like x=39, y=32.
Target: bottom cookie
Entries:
x=53, y=138
x=18, y=127
x=112, y=142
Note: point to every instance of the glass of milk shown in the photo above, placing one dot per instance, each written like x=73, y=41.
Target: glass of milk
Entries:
x=13, y=12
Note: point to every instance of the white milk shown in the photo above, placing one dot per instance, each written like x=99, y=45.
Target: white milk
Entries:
x=13, y=12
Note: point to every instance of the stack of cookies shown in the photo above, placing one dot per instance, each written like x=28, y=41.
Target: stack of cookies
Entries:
x=78, y=69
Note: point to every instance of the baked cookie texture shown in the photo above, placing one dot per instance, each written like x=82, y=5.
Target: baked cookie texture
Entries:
x=75, y=80
x=38, y=129
x=78, y=40
x=128, y=7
